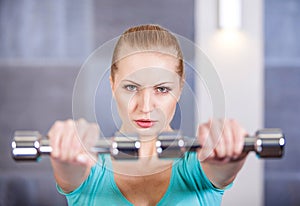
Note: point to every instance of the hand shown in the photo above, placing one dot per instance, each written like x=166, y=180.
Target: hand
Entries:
x=71, y=140
x=222, y=141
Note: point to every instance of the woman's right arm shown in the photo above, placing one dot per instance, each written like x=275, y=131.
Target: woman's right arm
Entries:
x=71, y=162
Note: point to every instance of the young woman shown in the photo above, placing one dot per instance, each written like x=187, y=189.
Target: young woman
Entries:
x=147, y=77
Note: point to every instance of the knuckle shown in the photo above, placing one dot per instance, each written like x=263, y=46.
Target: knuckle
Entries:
x=55, y=129
x=227, y=123
x=232, y=121
x=244, y=133
x=236, y=152
x=66, y=157
x=58, y=124
x=202, y=128
x=69, y=122
x=63, y=158
x=235, y=124
x=95, y=127
x=81, y=121
x=203, y=133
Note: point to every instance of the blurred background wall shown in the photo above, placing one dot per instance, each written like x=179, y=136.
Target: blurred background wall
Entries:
x=44, y=43
x=282, y=97
x=42, y=47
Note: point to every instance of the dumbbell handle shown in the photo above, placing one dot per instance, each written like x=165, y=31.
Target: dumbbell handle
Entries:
x=29, y=145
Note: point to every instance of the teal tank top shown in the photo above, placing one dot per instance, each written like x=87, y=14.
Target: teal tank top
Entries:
x=188, y=186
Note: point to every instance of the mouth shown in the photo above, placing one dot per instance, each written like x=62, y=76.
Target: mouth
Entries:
x=145, y=123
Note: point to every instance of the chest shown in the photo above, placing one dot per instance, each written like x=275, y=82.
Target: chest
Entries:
x=144, y=190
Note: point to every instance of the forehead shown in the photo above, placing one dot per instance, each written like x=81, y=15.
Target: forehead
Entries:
x=147, y=64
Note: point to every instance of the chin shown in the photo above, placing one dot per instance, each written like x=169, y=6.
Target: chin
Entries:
x=152, y=132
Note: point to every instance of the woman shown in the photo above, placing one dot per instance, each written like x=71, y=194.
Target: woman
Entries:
x=147, y=77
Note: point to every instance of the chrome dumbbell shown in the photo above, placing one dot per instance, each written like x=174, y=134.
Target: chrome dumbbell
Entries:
x=266, y=143
x=29, y=145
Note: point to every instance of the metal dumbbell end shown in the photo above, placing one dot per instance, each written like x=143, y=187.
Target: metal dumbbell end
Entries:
x=30, y=145
x=267, y=143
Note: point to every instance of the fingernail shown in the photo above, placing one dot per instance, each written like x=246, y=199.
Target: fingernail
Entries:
x=235, y=157
x=54, y=154
x=81, y=159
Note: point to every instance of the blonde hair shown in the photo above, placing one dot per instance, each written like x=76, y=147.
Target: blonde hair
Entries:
x=147, y=38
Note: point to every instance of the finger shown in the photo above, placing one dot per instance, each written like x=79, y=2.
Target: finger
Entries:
x=220, y=149
x=54, y=135
x=236, y=138
x=81, y=127
x=89, y=139
x=71, y=143
x=239, y=136
x=218, y=137
x=215, y=132
x=204, y=141
x=203, y=133
x=92, y=135
x=68, y=142
x=228, y=138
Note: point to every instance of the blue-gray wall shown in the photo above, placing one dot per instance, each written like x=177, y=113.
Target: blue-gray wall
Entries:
x=42, y=46
x=282, y=98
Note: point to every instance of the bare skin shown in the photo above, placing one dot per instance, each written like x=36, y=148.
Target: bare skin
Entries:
x=144, y=189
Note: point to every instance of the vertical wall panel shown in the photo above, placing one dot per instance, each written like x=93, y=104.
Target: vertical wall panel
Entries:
x=282, y=109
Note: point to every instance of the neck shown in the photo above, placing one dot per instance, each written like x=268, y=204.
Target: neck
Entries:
x=148, y=162
x=148, y=148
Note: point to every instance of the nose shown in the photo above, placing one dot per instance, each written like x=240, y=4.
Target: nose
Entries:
x=146, y=100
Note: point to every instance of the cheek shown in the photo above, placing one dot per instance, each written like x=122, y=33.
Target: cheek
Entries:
x=125, y=104
x=168, y=108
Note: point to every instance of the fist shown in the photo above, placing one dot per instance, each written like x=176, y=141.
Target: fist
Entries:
x=71, y=140
x=222, y=141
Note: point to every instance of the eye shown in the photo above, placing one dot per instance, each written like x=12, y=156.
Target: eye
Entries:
x=163, y=89
x=131, y=88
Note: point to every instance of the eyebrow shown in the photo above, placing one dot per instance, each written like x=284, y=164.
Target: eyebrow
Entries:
x=126, y=80
x=156, y=85
x=163, y=83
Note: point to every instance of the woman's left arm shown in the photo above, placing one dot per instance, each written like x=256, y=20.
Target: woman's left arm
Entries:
x=221, y=154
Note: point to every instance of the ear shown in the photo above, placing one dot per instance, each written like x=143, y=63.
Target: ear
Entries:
x=112, y=86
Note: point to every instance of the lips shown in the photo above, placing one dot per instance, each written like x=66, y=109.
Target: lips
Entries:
x=144, y=123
